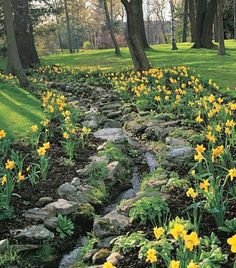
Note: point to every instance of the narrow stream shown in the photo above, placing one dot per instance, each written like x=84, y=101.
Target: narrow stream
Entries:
x=149, y=160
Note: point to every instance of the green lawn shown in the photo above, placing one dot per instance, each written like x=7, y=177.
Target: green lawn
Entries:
x=19, y=110
x=206, y=62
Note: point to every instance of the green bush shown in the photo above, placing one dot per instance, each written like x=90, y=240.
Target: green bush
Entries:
x=150, y=209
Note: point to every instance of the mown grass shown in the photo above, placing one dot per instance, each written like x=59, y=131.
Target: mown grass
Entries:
x=19, y=111
x=206, y=62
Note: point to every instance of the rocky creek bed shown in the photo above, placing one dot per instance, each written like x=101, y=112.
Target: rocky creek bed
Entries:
x=147, y=144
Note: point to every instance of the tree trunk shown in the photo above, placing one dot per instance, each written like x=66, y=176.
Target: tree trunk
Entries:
x=235, y=19
x=13, y=60
x=110, y=27
x=134, y=39
x=173, y=32
x=24, y=33
x=68, y=26
x=220, y=27
x=192, y=18
x=140, y=21
x=185, y=21
x=206, y=12
x=216, y=29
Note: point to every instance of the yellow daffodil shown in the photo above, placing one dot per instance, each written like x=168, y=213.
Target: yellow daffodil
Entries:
x=66, y=135
x=158, y=232
x=151, y=256
x=178, y=231
x=2, y=134
x=191, y=193
x=21, y=177
x=10, y=164
x=191, y=241
x=218, y=128
x=174, y=264
x=86, y=130
x=198, y=157
x=204, y=185
x=41, y=151
x=157, y=98
x=47, y=145
x=210, y=137
x=230, y=123
x=232, y=242
x=34, y=128
x=108, y=265
x=228, y=131
x=232, y=174
x=200, y=149
x=199, y=119
x=192, y=265
x=4, y=180
x=216, y=152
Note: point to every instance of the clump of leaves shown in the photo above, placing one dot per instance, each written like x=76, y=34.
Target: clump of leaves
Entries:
x=150, y=209
x=126, y=243
x=9, y=257
x=65, y=226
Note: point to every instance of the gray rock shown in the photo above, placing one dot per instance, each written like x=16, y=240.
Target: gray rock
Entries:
x=111, y=224
x=113, y=115
x=114, y=258
x=100, y=256
x=36, y=214
x=98, y=159
x=66, y=189
x=179, y=156
x=76, y=182
x=43, y=201
x=3, y=245
x=51, y=223
x=92, y=124
x=88, y=256
x=62, y=206
x=34, y=232
x=112, y=106
x=87, y=194
x=127, y=194
x=105, y=242
x=111, y=123
x=70, y=258
x=176, y=142
x=111, y=134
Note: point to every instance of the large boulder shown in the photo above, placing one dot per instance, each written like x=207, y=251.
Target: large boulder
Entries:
x=179, y=157
x=34, y=233
x=111, y=134
x=111, y=224
x=62, y=206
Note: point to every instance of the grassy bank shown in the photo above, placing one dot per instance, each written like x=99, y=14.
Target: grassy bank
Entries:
x=19, y=110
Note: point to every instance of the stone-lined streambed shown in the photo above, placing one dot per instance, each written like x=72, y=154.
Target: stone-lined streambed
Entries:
x=144, y=163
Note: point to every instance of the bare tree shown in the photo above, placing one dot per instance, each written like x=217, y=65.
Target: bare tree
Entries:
x=158, y=8
x=235, y=19
x=192, y=18
x=206, y=12
x=68, y=26
x=24, y=33
x=185, y=21
x=134, y=38
x=173, y=31
x=13, y=60
x=220, y=27
x=110, y=27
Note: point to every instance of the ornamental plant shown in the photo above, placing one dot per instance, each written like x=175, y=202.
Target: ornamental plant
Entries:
x=44, y=160
x=11, y=176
